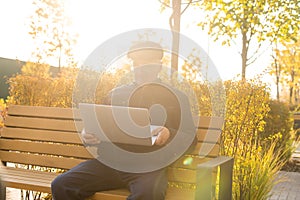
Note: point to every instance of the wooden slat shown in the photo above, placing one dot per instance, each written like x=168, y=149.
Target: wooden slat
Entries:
x=45, y=148
x=40, y=111
x=190, y=161
x=57, y=125
x=297, y=117
x=181, y=175
x=177, y=193
x=206, y=149
x=28, y=173
x=69, y=113
x=26, y=179
x=27, y=185
x=43, y=123
x=118, y=194
x=81, y=152
x=13, y=182
x=208, y=136
x=201, y=149
x=209, y=122
x=30, y=177
x=39, y=160
x=41, y=135
x=41, y=181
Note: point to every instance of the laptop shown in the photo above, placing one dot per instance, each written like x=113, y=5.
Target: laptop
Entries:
x=118, y=124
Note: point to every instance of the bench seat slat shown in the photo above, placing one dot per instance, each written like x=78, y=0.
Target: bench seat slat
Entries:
x=118, y=194
x=41, y=135
x=69, y=113
x=46, y=112
x=296, y=117
x=26, y=179
x=13, y=182
x=177, y=193
x=206, y=149
x=45, y=148
x=29, y=179
x=190, y=161
x=28, y=173
x=209, y=122
x=39, y=160
x=40, y=181
x=66, y=125
x=183, y=176
x=43, y=123
x=208, y=136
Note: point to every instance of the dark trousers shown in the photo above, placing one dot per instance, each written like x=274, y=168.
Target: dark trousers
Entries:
x=92, y=176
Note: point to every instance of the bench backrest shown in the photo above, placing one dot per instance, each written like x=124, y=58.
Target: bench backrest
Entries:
x=47, y=136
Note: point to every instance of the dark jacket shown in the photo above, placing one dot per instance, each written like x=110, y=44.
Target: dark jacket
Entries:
x=168, y=107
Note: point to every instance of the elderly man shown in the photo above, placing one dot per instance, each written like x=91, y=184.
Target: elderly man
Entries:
x=147, y=91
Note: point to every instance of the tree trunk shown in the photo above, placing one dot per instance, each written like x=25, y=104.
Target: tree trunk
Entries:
x=292, y=86
x=175, y=28
x=244, y=55
x=277, y=89
x=277, y=72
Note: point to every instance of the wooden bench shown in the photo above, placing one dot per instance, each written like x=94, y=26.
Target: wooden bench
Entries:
x=47, y=137
x=296, y=125
x=297, y=116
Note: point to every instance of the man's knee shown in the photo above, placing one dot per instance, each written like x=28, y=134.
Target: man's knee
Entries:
x=57, y=185
x=149, y=188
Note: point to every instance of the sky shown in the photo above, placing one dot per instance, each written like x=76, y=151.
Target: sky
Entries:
x=96, y=21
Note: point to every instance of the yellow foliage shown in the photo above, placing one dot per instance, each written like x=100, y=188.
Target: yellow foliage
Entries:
x=39, y=88
x=35, y=86
x=3, y=111
x=36, y=69
x=247, y=105
x=255, y=163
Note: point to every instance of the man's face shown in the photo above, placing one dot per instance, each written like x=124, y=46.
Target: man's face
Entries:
x=146, y=70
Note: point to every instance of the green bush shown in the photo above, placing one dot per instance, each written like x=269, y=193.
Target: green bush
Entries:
x=3, y=111
x=247, y=105
x=248, y=115
x=37, y=87
x=279, y=124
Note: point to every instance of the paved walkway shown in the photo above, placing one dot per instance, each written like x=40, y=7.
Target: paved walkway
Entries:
x=289, y=189
x=13, y=194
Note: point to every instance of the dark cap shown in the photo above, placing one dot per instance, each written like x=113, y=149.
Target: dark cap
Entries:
x=145, y=50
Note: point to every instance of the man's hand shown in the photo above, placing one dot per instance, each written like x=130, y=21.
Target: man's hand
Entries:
x=89, y=138
x=163, y=135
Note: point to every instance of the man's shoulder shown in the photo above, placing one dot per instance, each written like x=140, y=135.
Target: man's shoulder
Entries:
x=177, y=91
x=123, y=88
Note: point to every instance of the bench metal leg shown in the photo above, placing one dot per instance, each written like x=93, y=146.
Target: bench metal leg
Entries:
x=225, y=188
x=204, y=178
x=204, y=186
x=2, y=191
x=2, y=186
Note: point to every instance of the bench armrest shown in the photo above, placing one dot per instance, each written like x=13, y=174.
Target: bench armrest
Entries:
x=204, y=178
